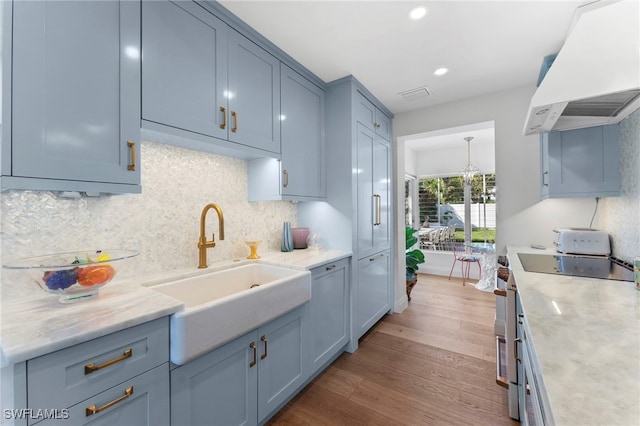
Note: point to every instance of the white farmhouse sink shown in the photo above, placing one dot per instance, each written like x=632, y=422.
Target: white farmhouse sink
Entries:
x=221, y=305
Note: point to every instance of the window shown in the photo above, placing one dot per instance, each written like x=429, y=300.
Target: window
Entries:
x=441, y=202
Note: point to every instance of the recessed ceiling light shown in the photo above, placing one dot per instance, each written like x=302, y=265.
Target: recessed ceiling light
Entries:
x=418, y=13
x=441, y=71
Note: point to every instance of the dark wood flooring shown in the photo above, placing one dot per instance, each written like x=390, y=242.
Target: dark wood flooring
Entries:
x=433, y=364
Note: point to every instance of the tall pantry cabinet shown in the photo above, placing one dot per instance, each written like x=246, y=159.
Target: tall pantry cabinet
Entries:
x=358, y=212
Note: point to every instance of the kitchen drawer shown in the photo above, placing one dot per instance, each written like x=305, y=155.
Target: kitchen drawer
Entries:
x=61, y=379
x=140, y=401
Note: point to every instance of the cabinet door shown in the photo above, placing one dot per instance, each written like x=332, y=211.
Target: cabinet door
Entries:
x=76, y=90
x=374, y=208
x=382, y=125
x=141, y=401
x=371, y=117
x=381, y=189
x=302, y=127
x=365, y=112
x=372, y=291
x=584, y=162
x=282, y=352
x=218, y=388
x=544, y=164
x=254, y=94
x=367, y=209
x=329, y=308
x=184, y=72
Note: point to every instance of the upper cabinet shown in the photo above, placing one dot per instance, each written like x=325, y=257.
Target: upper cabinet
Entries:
x=372, y=118
x=301, y=173
x=73, y=122
x=581, y=163
x=202, y=77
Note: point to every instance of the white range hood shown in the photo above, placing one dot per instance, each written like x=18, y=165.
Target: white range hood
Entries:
x=595, y=79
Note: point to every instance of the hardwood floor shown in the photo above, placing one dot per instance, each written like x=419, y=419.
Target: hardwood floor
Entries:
x=433, y=364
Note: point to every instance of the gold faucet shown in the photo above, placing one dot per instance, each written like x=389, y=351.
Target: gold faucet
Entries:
x=203, y=244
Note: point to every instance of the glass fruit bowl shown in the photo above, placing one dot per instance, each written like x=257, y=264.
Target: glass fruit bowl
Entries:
x=74, y=276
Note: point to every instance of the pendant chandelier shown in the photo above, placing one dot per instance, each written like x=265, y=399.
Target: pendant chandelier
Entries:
x=469, y=170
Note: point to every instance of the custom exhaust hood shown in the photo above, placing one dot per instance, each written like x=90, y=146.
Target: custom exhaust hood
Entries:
x=595, y=78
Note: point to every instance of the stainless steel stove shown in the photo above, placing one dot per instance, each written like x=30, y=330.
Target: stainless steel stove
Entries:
x=608, y=268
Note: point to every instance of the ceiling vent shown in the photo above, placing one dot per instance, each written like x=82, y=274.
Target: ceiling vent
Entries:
x=414, y=94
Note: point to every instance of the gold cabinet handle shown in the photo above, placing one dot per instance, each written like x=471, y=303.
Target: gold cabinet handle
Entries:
x=264, y=340
x=330, y=268
x=89, y=411
x=132, y=147
x=285, y=182
x=235, y=121
x=90, y=368
x=224, y=117
x=253, y=346
x=544, y=181
x=379, y=209
x=515, y=349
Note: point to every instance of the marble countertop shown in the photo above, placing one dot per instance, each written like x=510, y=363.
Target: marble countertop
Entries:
x=34, y=323
x=586, y=336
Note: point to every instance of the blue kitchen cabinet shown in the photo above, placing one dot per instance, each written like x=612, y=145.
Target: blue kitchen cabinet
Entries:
x=253, y=94
x=329, y=312
x=581, y=162
x=202, y=79
x=121, y=378
x=244, y=381
x=374, y=209
x=372, y=117
x=372, y=292
x=74, y=121
x=184, y=72
x=300, y=175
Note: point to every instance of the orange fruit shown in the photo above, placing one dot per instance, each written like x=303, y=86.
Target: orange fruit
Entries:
x=94, y=275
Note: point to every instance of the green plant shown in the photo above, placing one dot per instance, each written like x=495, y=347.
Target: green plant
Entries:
x=413, y=257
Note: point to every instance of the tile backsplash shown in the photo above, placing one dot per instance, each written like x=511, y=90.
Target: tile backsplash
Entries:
x=163, y=222
x=620, y=216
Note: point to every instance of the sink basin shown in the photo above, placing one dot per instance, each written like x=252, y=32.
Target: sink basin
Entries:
x=223, y=305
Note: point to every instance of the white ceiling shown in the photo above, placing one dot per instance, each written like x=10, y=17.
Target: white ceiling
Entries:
x=488, y=46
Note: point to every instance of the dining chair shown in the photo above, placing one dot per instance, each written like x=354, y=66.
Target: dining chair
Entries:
x=465, y=260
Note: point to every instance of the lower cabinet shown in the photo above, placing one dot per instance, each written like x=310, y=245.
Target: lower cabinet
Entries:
x=329, y=312
x=118, y=379
x=533, y=404
x=246, y=380
x=143, y=400
x=371, y=292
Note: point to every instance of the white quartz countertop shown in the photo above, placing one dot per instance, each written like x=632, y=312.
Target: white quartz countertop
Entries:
x=586, y=335
x=34, y=323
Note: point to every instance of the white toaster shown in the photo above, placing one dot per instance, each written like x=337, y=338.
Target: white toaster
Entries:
x=582, y=241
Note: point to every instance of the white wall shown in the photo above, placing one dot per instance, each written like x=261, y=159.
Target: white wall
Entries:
x=162, y=223
x=449, y=161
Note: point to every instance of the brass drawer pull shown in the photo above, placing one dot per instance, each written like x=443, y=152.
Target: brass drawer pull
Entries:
x=253, y=346
x=90, y=368
x=286, y=178
x=264, y=340
x=235, y=121
x=224, y=117
x=330, y=268
x=89, y=411
x=132, y=146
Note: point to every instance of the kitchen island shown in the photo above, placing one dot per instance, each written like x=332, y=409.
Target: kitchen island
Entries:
x=585, y=337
